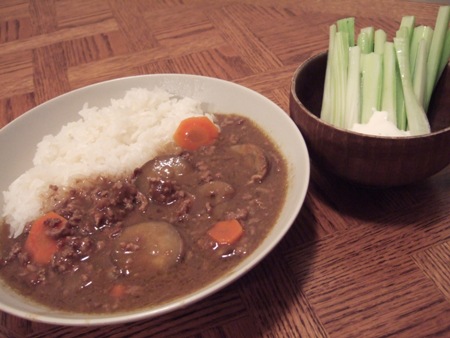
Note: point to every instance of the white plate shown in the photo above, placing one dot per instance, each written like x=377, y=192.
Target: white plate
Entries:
x=18, y=144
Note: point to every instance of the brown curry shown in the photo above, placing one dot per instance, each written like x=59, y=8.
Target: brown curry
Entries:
x=138, y=241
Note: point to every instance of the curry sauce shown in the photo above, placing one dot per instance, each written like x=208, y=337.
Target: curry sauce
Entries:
x=139, y=241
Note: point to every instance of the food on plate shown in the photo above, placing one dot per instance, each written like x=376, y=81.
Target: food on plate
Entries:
x=371, y=74
x=165, y=201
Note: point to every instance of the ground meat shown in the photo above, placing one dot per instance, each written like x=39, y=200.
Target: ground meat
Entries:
x=165, y=192
x=184, y=207
x=23, y=258
x=15, y=250
x=72, y=250
x=239, y=214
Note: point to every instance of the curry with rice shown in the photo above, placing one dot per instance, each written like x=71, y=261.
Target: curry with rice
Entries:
x=179, y=222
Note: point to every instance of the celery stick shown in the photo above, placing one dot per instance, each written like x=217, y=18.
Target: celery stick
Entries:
x=420, y=72
x=352, y=107
x=401, y=109
x=326, y=110
x=347, y=25
x=435, y=54
x=361, y=41
x=339, y=70
x=400, y=102
x=445, y=54
x=371, y=82
x=389, y=90
x=379, y=40
x=365, y=40
x=417, y=120
x=408, y=22
x=419, y=33
x=403, y=33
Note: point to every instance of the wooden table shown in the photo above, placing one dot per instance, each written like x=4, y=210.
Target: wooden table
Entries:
x=356, y=263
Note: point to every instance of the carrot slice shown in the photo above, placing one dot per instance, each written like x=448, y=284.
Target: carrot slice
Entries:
x=195, y=132
x=41, y=246
x=226, y=232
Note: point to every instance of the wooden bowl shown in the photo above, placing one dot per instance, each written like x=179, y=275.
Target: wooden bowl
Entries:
x=363, y=159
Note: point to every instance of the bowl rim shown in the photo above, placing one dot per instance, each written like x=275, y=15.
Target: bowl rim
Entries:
x=318, y=120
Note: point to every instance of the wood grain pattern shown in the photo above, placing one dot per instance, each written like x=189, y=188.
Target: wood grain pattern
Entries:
x=356, y=263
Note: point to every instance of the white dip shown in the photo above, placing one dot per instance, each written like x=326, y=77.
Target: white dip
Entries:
x=379, y=125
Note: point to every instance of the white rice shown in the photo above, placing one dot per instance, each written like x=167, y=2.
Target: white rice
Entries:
x=106, y=141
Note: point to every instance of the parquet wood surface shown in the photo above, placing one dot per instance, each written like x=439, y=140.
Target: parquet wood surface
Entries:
x=356, y=263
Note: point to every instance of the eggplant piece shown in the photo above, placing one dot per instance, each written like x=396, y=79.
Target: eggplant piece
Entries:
x=148, y=248
x=164, y=169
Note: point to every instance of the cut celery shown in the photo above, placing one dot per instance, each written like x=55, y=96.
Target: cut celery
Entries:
x=389, y=91
x=347, y=25
x=401, y=109
x=417, y=120
x=379, y=40
x=445, y=54
x=419, y=33
x=400, y=102
x=420, y=72
x=339, y=67
x=371, y=82
x=365, y=40
x=408, y=22
x=435, y=54
x=326, y=112
x=353, y=104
